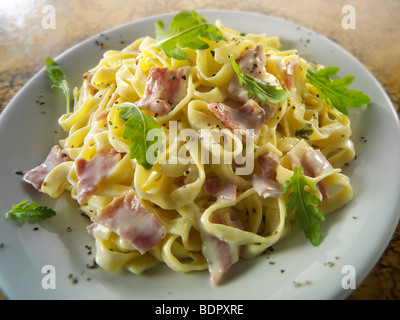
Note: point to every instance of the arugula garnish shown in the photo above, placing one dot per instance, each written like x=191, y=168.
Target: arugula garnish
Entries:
x=139, y=130
x=185, y=31
x=57, y=77
x=263, y=91
x=334, y=91
x=306, y=214
x=31, y=212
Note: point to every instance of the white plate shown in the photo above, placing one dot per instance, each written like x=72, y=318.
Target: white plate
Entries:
x=294, y=270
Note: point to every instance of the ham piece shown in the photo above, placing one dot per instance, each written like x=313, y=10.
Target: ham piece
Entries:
x=164, y=89
x=128, y=217
x=220, y=255
x=314, y=163
x=252, y=62
x=103, y=114
x=87, y=78
x=266, y=187
x=288, y=72
x=92, y=173
x=262, y=182
x=268, y=163
x=222, y=189
x=249, y=116
x=37, y=175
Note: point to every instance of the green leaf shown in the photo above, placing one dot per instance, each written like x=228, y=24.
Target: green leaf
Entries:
x=304, y=132
x=185, y=31
x=140, y=129
x=335, y=91
x=305, y=203
x=263, y=91
x=31, y=212
x=57, y=77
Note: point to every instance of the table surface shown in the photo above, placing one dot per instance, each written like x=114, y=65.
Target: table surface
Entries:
x=24, y=44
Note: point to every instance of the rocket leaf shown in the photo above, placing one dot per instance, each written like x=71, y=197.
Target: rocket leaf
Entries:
x=186, y=30
x=138, y=128
x=304, y=202
x=263, y=91
x=57, y=77
x=31, y=212
x=335, y=91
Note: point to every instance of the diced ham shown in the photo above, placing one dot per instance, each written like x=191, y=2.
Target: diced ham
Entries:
x=322, y=190
x=164, y=89
x=294, y=160
x=220, y=255
x=262, y=182
x=288, y=72
x=103, y=114
x=128, y=217
x=314, y=163
x=252, y=62
x=268, y=163
x=266, y=187
x=37, y=175
x=222, y=189
x=92, y=173
x=269, y=111
x=87, y=78
x=249, y=116
x=91, y=228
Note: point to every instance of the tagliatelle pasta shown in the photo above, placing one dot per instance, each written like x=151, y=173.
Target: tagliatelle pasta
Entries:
x=214, y=193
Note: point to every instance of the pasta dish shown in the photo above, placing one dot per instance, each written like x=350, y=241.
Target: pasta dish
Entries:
x=211, y=184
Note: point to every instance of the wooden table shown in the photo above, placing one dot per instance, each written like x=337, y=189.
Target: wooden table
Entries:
x=25, y=43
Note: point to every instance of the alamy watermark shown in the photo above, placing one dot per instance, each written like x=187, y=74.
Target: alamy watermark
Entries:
x=349, y=20
x=349, y=280
x=49, y=279
x=49, y=18
x=205, y=146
